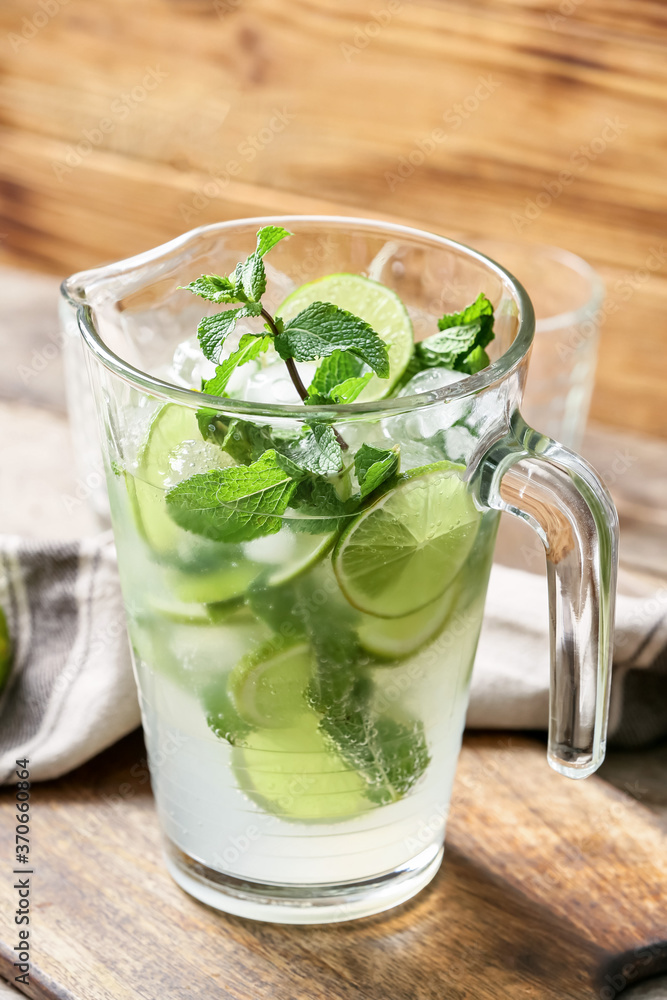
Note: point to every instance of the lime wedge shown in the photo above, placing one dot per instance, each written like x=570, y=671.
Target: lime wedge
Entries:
x=268, y=687
x=375, y=303
x=217, y=586
x=402, y=552
x=396, y=638
x=174, y=450
x=295, y=774
x=202, y=572
x=308, y=551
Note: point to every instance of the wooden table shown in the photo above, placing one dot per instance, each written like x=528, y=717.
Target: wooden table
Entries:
x=487, y=117
x=550, y=888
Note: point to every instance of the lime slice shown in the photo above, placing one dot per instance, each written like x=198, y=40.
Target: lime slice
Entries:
x=375, y=303
x=226, y=584
x=197, y=652
x=174, y=450
x=5, y=650
x=402, y=552
x=396, y=638
x=268, y=687
x=309, y=550
x=295, y=774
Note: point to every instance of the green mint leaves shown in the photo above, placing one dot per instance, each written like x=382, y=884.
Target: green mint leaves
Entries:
x=310, y=478
x=246, y=285
x=250, y=347
x=374, y=466
x=235, y=504
x=460, y=343
x=323, y=329
x=317, y=450
x=391, y=755
x=213, y=287
x=337, y=380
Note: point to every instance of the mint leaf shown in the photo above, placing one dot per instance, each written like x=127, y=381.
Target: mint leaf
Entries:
x=249, y=277
x=323, y=328
x=317, y=450
x=373, y=466
x=268, y=237
x=390, y=754
x=337, y=380
x=214, y=330
x=333, y=370
x=281, y=605
x=213, y=287
x=235, y=504
x=319, y=507
x=221, y=715
x=475, y=361
x=340, y=685
x=348, y=390
x=246, y=442
x=253, y=277
x=250, y=347
x=251, y=309
x=460, y=334
x=480, y=309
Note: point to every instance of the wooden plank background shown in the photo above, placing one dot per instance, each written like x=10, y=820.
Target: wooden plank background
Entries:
x=123, y=124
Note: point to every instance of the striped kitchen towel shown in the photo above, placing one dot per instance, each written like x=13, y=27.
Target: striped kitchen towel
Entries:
x=70, y=691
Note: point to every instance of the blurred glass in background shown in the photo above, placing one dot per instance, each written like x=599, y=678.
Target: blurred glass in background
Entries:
x=568, y=295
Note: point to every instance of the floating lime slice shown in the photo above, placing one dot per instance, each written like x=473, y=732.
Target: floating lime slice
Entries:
x=295, y=774
x=268, y=687
x=396, y=638
x=377, y=304
x=402, y=552
x=308, y=551
x=174, y=450
x=217, y=586
x=202, y=572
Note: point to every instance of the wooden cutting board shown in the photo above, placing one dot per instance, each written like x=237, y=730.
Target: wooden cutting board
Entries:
x=550, y=889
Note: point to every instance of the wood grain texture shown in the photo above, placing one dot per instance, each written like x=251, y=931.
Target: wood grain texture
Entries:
x=317, y=105
x=544, y=882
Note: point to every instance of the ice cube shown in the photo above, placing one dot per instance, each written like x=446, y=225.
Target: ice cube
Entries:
x=429, y=380
x=192, y=457
x=415, y=454
x=189, y=366
x=273, y=384
x=425, y=422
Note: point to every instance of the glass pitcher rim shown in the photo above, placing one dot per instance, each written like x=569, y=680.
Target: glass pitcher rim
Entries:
x=471, y=385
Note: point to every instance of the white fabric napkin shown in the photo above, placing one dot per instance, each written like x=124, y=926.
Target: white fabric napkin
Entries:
x=71, y=692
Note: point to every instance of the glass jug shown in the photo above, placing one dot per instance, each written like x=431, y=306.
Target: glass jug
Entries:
x=304, y=693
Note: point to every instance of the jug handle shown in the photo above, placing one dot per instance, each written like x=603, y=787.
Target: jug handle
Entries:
x=533, y=477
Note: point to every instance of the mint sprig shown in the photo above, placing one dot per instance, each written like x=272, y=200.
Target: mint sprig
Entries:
x=296, y=466
x=319, y=331
x=235, y=504
x=322, y=329
x=460, y=343
x=338, y=379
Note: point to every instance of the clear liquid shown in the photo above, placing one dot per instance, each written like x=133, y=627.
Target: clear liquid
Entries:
x=283, y=809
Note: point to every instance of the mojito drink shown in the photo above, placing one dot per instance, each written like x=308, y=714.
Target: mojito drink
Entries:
x=304, y=598
x=293, y=736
